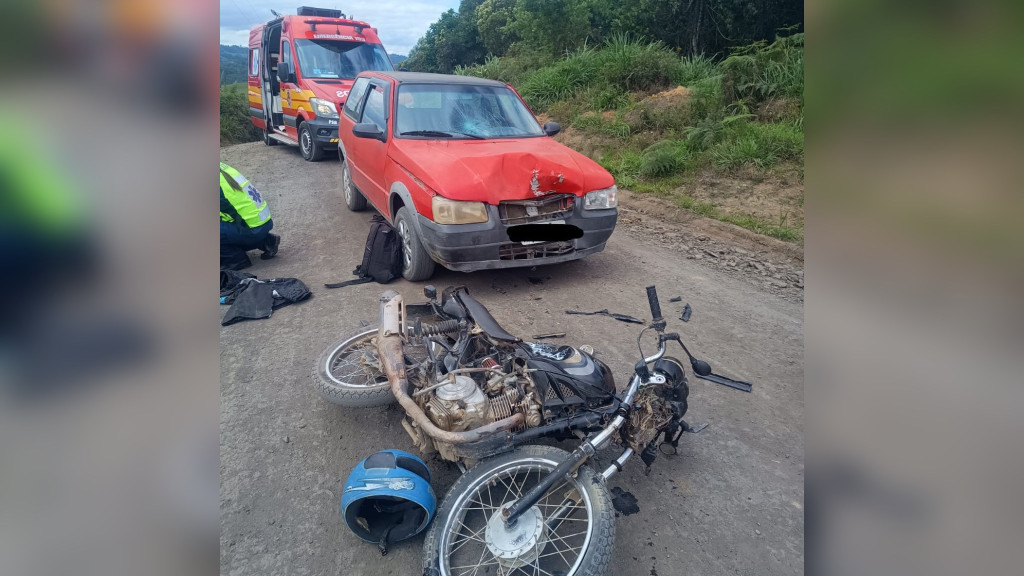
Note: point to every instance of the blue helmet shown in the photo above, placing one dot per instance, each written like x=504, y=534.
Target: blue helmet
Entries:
x=388, y=498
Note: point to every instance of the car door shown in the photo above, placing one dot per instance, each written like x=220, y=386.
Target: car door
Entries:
x=368, y=156
x=351, y=112
x=290, y=92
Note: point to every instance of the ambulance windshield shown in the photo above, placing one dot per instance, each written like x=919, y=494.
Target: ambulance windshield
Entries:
x=339, y=59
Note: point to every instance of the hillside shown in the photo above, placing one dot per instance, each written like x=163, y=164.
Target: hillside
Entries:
x=234, y=64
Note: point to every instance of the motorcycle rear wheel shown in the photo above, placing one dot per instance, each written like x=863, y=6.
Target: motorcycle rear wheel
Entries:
x=466, y=538
x=348, y=372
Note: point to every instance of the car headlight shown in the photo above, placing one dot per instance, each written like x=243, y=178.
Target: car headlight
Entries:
x=601, y=199
x=455, y=212
x=324, y=108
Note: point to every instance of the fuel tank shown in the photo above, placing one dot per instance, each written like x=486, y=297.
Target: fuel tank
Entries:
x=568, y=378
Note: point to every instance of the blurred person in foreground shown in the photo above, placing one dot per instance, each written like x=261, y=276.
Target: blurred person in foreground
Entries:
x=245, y=221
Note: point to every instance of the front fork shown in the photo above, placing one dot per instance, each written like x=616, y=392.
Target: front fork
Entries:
x=511, y=513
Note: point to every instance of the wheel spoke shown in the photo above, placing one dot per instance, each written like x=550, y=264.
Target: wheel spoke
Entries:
x=489, y=496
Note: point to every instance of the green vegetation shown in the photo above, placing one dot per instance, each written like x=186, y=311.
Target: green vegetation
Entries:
x=234, y=64
x=235, y=123
x=479, y=28
x=657, y=121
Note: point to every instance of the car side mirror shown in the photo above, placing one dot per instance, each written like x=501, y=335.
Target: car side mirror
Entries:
x=552, y=128
x=284, y=72
x=368, y=130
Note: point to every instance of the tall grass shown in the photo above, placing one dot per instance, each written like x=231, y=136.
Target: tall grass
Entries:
x=623, y=64
x=762, y=71
x=635, y=64
x=235, y=123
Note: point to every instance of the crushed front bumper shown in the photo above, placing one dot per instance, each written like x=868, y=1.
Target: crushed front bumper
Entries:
x=485, y=246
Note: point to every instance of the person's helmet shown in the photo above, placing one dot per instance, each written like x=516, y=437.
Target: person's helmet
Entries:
x=388, y=498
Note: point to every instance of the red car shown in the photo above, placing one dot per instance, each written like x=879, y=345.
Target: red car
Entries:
x=468, y=177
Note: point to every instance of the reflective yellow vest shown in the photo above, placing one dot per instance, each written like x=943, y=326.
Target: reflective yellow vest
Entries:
x=244, y=197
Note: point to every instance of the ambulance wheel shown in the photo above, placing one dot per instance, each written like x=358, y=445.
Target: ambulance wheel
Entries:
x=311, y=151
x=267, y=139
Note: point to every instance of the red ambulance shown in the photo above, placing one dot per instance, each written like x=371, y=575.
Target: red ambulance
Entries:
x=301, y=68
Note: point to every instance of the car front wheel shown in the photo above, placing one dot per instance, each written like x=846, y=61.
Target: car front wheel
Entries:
x=416, y=263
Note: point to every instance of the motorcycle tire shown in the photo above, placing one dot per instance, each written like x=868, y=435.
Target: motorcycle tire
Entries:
x=470, y=507
x=356, y=384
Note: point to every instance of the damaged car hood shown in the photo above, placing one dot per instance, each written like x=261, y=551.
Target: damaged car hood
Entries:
x=495, y=170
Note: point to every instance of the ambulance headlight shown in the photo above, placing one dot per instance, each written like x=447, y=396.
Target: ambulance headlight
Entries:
x=324, y=108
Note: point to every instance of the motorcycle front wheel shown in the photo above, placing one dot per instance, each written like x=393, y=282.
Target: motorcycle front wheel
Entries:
x=570, y=532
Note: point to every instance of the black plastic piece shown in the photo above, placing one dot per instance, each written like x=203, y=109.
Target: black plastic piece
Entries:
x=430, y=291
x=605, y=312
x=687, y=311
x=726, y=381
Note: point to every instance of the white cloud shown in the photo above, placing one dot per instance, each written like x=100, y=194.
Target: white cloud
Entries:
x=399, y=23
x=234, y=37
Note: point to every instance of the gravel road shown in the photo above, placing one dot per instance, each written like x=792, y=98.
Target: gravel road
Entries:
x=731, y=502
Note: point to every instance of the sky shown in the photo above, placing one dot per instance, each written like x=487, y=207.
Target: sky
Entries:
x=399, y=23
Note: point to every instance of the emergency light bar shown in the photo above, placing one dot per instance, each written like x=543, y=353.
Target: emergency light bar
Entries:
x=320, y=12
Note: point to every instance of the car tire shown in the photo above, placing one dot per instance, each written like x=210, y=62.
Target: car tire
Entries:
x=416, y=263
x=354, y=199
x=309, y=148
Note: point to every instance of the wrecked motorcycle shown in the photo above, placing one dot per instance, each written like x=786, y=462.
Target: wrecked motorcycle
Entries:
x=479, y=396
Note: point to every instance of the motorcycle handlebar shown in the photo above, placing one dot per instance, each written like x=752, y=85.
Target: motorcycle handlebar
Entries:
x=652, y=300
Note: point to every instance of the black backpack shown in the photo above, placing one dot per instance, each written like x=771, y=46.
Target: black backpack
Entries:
x=382, y=256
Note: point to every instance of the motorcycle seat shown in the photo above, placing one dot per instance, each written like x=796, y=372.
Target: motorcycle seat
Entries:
x=483, y=318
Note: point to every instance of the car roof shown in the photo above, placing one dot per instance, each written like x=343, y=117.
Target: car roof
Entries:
x=426, y=78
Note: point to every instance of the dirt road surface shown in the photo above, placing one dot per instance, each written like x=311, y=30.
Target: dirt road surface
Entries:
x=731, y=501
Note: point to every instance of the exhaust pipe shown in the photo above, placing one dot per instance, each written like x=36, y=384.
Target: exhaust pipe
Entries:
x=392, y=358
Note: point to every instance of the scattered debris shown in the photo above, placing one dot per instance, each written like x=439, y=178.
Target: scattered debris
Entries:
x=771, y=270
x=687, y=311
x=535, y=280
x=676, y=299
x=605, y=312
x=552, y=335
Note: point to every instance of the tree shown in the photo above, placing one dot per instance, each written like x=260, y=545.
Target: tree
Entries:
x=551, y=25
x=451, y=41
x=493, y=18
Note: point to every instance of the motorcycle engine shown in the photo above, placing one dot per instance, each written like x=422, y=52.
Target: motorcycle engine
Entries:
x=488, y=393
x=458, y=405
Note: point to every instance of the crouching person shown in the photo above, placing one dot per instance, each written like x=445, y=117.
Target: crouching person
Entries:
x=245, y=221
